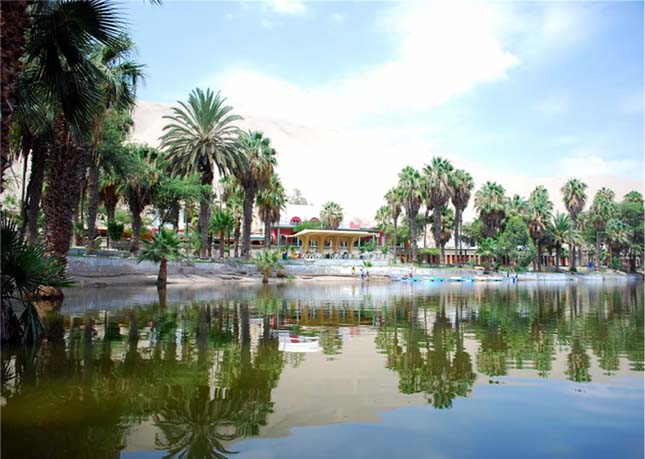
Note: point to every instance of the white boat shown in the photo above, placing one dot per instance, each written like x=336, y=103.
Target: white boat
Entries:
x=455, y=279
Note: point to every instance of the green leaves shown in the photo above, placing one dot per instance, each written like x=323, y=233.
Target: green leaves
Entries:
x=165, y=244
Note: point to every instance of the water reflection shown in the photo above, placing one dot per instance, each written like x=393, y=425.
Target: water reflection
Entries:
x=202, y=374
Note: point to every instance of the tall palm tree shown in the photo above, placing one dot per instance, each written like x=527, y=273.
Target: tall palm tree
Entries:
x=617, y=236
x=253, y=173
x=538, y=219
x=201, y=137
x=517, y=206
x=563, y=232
x=233, y=196
x=14, y=20
x=394, y=201
x=383, y=216
x=60, y=73
x=138, y=189
x=447, y=225
x=490, y=202
x=602, y=210
x=574, y=195
x=413, y=191
x=122, y=74
x=331, y=215
x=437, y=176
x=462, y=185
x=271, y=200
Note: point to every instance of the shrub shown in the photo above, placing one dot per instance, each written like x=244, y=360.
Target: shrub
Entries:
x=115, y=231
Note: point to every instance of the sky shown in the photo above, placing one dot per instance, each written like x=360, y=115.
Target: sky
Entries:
x=351, y=92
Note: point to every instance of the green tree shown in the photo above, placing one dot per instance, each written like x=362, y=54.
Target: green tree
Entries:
x=271, y=200
x=199, y=138
x=438, y=180
x=632, y=212
x=574, y=195
x=118, y=88
x=394, y=200
x=412, y=188
x=603, y=208
x=139, y=188
x=267, y=261
x=59, y=72
x=539, y=216
x=490, y=203
x=461, y=184
x=487, y=250
x=563, y=232
x=515, y=242
x=166, y=245
x=253, y=173
x=222, y=223
x=331, y=215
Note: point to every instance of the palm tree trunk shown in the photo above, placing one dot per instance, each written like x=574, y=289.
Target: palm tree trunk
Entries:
x=35, y=189
x=597, y=255
x=162, y=278
x=249, y=197
x=394, y=237
x=267, y=231
x=66, y=170
x=92, y=201
x=436, y=226
x=558, y=253
x=135, y=210
x=425, y=228
x=204, y=211
x=13, y=21
x=457, y=217
x=413, y=236
x=236, y=243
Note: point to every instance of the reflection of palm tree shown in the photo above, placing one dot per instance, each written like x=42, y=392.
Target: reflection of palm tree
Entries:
x=578, y=363
x=195, y=426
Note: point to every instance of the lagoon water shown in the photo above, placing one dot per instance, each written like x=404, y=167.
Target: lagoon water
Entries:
x=333, y=371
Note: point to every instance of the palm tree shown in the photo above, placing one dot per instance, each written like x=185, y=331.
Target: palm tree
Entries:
x=15, y=20
x=266, y=261
x=119, y=91
x=447, y=225
x=540, y=209
x=487, y=249
x=462, y=185
x=517, y=206
x=394, y=202
x=233, y=196
x=617, y=236
x=200, y=137
x=138, y=189
x=413, y=191
x=382, y=216
x=331, y=215
x=602, y=209
x=574, y=195
x=59, y=72
x=437, y=176
x=222, y=223
x=490, y=203
x=271, y=200
x=253, y=173
x=165, y=246
x=563, y=232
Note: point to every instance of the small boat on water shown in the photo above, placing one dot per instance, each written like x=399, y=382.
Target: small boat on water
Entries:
x=455, y=279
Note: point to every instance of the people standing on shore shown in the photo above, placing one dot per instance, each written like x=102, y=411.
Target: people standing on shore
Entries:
x=353, y=271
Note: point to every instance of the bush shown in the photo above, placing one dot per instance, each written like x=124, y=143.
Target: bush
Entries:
x=115, y=231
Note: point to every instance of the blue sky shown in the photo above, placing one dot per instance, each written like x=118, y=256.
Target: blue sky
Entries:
x=544, y=90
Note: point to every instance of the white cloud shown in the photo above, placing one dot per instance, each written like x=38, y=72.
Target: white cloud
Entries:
x=552, y=105
x=589, y=162
x=442, y=50
x=287, y=6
